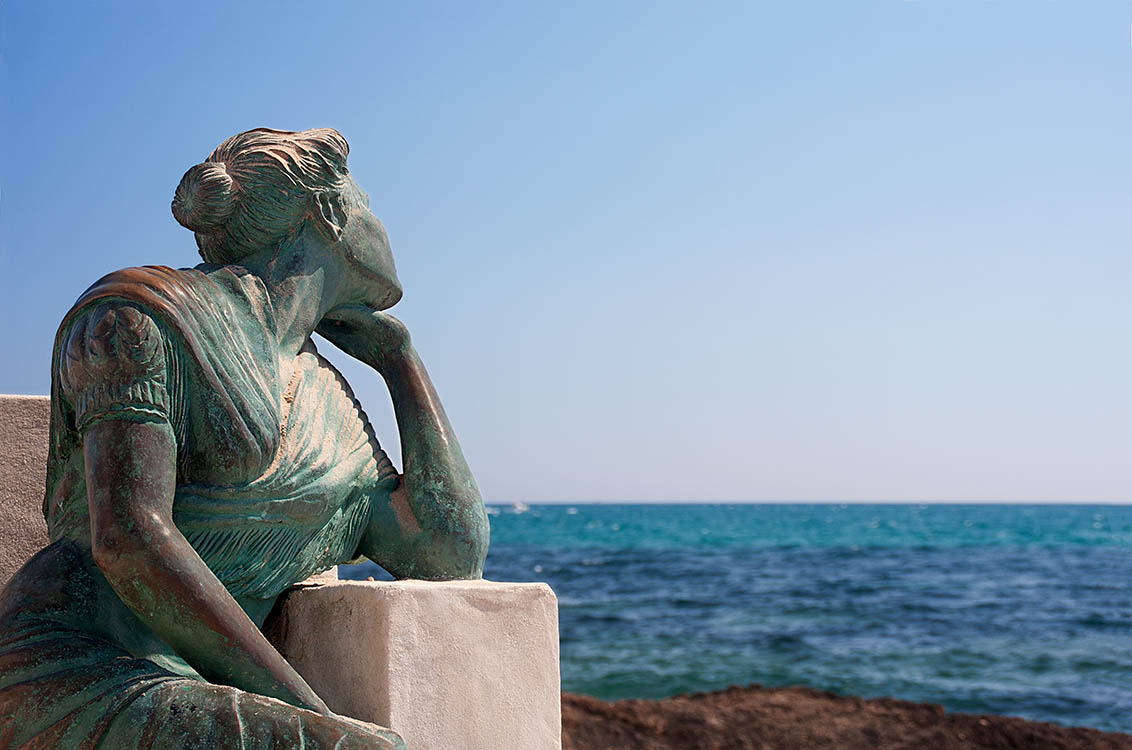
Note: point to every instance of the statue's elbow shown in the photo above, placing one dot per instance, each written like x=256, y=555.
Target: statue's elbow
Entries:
x=107, y=553
x=456, y=554
x=476, y=552
x=121, y=551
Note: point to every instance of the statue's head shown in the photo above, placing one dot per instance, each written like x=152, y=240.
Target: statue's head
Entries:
x=264, y=186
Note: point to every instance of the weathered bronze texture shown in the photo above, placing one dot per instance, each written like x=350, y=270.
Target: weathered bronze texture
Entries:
x=204, y=457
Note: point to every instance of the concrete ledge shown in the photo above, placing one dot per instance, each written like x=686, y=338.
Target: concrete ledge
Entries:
x=459, y=664
x=23, y=475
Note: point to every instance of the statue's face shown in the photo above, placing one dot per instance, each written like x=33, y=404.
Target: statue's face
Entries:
x=365, y=249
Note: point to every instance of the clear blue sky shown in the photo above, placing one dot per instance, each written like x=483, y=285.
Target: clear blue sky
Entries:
x=651, y=251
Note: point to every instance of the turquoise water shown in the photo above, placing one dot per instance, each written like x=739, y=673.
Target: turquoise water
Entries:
x=1019, y=610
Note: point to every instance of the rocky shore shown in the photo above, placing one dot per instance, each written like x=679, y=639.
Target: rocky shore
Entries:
x=746, y=718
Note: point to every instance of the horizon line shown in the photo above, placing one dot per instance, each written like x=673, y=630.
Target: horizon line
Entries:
x=805, y=502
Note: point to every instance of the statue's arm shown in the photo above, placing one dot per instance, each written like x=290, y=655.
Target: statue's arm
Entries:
x=434, y=524
x=113, y=374
x=131, y=476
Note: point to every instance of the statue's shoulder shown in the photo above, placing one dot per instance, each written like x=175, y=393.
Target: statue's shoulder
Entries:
x=113, y=361
x=136, y=324
x=166, y=294
x=112, y=345
x=140, y=283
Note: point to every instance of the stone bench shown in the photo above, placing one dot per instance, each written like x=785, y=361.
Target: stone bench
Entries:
x=461, y=664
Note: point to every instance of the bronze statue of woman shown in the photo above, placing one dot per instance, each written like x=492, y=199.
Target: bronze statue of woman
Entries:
x=204, y=457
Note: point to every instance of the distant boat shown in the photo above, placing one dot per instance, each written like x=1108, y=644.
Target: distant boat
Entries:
x=520, y=507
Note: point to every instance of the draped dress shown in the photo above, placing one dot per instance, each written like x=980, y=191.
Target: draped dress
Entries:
x=277, y=472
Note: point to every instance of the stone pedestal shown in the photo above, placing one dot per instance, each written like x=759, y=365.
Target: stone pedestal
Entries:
x=23, y=474
x=461, y=664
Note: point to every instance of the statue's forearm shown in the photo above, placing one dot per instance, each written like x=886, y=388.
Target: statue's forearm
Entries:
x=438, y=494
x=178, y=597
x=131, y=477
x=434, y=524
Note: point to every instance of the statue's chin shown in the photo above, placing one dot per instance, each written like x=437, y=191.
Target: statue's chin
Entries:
x=389, y=299
x=374, y=298
x=374, y=280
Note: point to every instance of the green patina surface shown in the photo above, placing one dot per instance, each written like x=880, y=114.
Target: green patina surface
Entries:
x=204, y=457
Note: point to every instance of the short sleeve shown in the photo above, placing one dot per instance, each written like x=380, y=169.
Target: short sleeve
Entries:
x=113, y=364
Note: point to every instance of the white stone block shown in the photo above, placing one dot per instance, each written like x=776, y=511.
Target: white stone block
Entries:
x=459, y=664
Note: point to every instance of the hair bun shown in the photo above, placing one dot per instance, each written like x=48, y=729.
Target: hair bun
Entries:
x=205, y=198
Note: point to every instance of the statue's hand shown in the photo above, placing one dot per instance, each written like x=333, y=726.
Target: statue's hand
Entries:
x=372, y=336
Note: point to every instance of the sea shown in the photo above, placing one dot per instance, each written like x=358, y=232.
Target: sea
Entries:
x=1023, y=610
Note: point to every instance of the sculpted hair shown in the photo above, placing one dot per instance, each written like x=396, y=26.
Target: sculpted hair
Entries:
x=255, y=188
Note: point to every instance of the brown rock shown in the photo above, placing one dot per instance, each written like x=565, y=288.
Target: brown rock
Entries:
x=759, y=718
